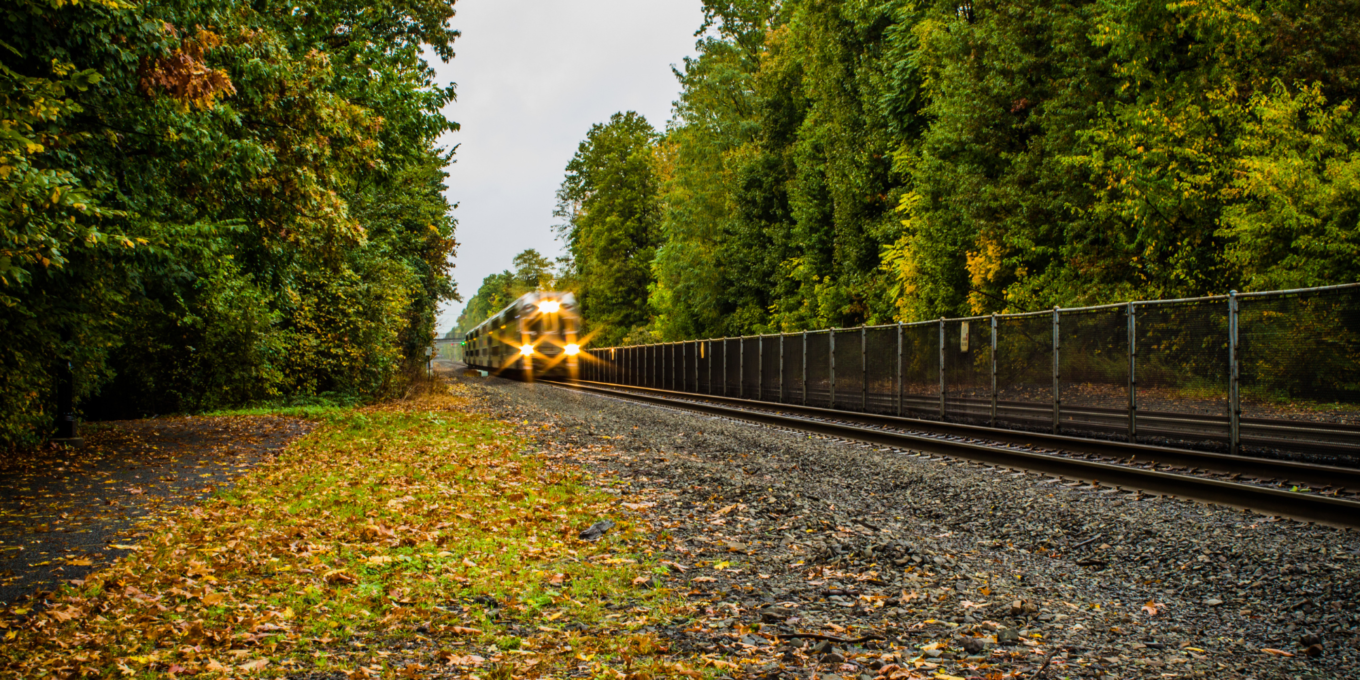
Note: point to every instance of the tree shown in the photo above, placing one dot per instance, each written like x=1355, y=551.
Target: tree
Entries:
x=609, y=202
x=532, y=272
x=224, y=203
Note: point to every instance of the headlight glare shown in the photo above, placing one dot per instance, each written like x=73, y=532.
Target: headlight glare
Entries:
x=572, y=349
x=527, y=350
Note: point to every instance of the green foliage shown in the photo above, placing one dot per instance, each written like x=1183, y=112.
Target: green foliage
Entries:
x=206, y=204
x=1292, y=221
x=835, y=163
x=612, y=227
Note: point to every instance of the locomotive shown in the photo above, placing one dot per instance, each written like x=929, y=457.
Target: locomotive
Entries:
x=535, y=336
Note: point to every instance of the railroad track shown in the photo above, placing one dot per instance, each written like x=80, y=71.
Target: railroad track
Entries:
x=1304, y=491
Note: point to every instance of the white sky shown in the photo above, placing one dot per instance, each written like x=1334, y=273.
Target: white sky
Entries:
x=533, y=76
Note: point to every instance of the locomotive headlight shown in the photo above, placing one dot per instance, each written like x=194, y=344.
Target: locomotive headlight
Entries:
x=527, y=350
x=549, y=306
x=572, y=349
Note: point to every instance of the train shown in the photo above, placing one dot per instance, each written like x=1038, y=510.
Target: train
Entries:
x=536, y=336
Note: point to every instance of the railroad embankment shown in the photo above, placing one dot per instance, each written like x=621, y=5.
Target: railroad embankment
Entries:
x=810, y=555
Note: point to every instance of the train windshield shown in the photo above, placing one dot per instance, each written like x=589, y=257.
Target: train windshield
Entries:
x=545, y=325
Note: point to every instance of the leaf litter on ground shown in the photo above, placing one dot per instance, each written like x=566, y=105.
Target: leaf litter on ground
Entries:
x=409, y=539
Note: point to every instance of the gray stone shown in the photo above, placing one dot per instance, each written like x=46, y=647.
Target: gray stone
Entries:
x=974, y=645
x=775, y=614
x=597, y=530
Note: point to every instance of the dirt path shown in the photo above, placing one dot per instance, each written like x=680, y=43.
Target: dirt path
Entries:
x=67, y=512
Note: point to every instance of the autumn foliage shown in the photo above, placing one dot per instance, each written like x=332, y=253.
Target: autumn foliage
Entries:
x=410, y=539
x=205, y=204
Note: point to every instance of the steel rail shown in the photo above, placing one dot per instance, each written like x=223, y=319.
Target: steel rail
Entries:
x=1301, y=426
x=1210, y=430
x=1305, y=506
x=1264, y=468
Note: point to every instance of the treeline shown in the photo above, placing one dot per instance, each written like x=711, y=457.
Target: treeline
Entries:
x=211, y=203
x=835, y=163
x=532, y=272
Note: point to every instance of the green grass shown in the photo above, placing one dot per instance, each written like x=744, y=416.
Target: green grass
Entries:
x=383, y=522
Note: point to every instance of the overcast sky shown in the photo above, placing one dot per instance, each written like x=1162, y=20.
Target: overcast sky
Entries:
x=533, y=76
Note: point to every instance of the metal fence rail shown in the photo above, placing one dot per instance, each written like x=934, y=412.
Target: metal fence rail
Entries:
x=1257, y=372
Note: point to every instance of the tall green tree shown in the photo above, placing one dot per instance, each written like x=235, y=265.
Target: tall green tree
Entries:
x=612, y=225
x=835, y=163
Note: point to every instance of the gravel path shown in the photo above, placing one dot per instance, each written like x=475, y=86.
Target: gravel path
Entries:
x=966, y=571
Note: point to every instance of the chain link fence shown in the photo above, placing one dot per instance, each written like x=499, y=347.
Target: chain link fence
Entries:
x=1259, y=373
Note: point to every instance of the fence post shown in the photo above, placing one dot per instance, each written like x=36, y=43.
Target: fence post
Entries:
x=805, y=368
x=1234, y=378
x=741, y=367
x=863, y=372
x=781, y=368
x=993, y=361
x=724, y=369
x=1057, y=386
x=1133, y=372
x=831, y=358
x=899, y=369
x=941, y=368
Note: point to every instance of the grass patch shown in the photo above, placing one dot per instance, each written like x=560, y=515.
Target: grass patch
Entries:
x=392, y=539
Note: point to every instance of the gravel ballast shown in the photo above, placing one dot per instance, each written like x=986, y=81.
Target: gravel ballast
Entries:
x=964, y=570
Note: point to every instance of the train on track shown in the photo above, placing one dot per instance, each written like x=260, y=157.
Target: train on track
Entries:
x=536, y=336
